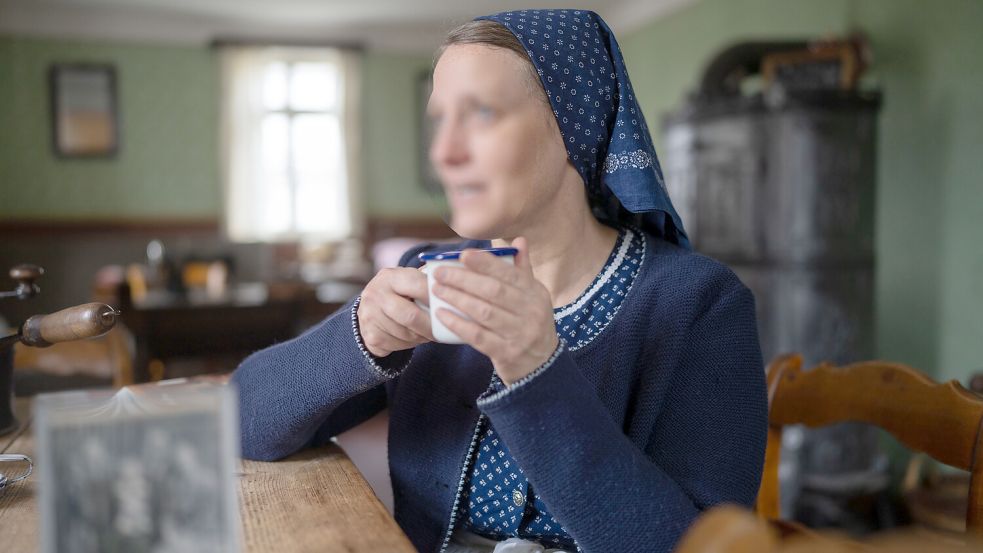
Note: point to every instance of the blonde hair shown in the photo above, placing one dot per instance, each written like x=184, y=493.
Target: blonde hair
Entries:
x=495, y=35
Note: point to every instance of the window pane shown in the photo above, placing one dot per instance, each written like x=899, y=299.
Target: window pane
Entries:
x=321, y=201
x=322, y=207
x=275, y=86
x=313, y=86
x=272, y=180
x=317, y=145
x=313, y=212
x=275, y=143
x=276, y=212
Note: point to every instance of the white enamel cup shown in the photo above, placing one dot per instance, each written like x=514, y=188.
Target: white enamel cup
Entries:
x=451, y=259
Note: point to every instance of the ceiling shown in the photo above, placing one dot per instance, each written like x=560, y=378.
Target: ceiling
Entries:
x=410, y=25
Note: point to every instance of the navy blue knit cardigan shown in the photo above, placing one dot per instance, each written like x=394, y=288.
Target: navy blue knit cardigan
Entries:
x=626, y=440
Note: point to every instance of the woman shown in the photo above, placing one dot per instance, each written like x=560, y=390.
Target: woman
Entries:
x=611, y=387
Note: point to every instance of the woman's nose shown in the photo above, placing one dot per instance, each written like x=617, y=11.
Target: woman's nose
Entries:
x=449, y=146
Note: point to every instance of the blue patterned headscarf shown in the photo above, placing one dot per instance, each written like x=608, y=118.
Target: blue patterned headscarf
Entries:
x=581, y=67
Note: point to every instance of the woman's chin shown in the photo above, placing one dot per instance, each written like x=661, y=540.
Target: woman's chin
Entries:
x=473, y=227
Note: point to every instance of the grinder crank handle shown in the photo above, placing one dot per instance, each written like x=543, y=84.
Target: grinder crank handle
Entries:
x=74, y=323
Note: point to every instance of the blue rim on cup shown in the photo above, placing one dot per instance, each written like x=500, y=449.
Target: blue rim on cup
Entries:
x=456, y=254
x=441, y=333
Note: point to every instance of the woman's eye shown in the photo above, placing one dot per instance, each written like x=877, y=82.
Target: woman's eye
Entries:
x=485, y=112
x=434, y=123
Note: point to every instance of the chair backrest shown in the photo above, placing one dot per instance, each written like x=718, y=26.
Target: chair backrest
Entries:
x=729, y=529
x=944, y=421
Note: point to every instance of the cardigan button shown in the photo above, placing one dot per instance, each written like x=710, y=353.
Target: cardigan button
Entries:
x=517, y=498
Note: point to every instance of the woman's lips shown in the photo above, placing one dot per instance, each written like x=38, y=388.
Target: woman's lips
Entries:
x=465, y=194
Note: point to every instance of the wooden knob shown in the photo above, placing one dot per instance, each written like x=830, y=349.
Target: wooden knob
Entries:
x=26, y=271
x=74, y=323
x=25, y=275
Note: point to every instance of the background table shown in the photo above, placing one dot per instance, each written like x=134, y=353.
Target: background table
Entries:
x=247, y=318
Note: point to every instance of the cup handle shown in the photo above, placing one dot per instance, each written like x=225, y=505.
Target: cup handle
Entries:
x=15, y=457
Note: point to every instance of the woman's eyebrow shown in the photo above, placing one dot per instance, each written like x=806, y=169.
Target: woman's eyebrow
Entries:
x=467, y=100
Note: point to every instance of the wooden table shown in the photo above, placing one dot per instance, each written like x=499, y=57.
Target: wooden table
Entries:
x=315, y=500
x=166, y=325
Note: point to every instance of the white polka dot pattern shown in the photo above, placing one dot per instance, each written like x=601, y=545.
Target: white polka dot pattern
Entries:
x=501, y=502
x=580, y=321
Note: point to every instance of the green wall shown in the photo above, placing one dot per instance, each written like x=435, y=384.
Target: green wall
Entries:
x=168, y=164
x=930, y=198
x=391, y=172
x=168, y=109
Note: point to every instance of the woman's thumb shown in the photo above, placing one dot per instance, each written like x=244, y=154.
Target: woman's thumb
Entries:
x=522, y=258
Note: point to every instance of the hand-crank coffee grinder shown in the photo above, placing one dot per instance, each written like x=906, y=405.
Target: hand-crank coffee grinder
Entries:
x=74, y=323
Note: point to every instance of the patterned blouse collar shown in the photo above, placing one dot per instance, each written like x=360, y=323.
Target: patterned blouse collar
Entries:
x=581, y=320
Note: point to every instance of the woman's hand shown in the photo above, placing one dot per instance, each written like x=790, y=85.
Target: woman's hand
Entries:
x=388, y=320
x=511, y=312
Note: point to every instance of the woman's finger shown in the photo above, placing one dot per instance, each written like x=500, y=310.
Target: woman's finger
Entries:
x=407, y=315
x=522, y=258
x=408, y=282
x=486, y=314
x=475, y=335
x=377, y=339
x=483, y=286
x=491, y=265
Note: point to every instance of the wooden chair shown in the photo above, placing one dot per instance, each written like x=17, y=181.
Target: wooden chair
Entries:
x=944, y=421
x=728, y=529
x=733, y=529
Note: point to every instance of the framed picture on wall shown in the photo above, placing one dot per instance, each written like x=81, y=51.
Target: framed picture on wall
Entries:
x=428, y=177
x=84, y=118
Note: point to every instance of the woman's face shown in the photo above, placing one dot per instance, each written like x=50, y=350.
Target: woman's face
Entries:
x=497, y=148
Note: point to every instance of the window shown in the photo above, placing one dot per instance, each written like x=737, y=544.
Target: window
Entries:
x=290, y=143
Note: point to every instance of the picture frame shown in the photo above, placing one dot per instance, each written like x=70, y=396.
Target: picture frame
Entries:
x=832, y=66
x=84, y=114
x=147, y=468
x=428, y=176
